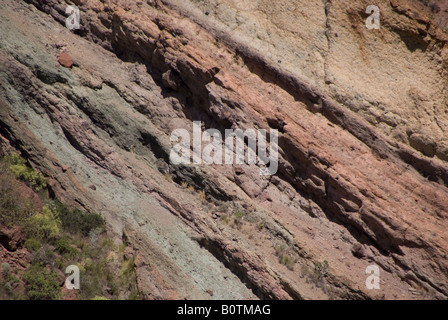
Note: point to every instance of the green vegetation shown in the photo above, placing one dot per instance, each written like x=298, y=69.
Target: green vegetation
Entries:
x=287, y=260
x=77, y=221
x=201, y=195
x=225, y=219
x=14, y=209
x=32, y=244
x=45, y=225
x=6, y=269
x=42, y=283
x=184, y=185
x=239, y=214
x=58, y=236
x=321, y=269
x=65, y=247
x=284, y=256
x=17, y=165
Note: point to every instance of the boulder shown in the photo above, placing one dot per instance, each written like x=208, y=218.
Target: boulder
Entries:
x=12, y=238
x=66, y=60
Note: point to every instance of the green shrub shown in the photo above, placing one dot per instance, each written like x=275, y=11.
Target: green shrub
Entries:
x=285, y=256
x=225, y=219
x=59, y=263
x=41, y=257
x=51, y=255
x=32, y=244
x=11, y=278
x=45, y=225
x=6, y=269
x=64, y=246
x=201, y=195
x=8, y=288
x=107, y=244
x=42, y=283
x=321, y=269
x=239, y=214
x=17, y=165
x=127, y=269
x=287, y=260
x=77, y=221
x=96, y=276
x=128, y=278
x=14, y=208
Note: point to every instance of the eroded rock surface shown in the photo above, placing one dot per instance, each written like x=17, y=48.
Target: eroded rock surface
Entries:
x=362, y=120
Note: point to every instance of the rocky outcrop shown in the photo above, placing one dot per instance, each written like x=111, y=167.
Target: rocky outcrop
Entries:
x=11, y=238
x=362, y=123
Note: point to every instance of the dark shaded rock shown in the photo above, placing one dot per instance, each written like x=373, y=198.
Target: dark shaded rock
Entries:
x=12, y=238
x=358, y=250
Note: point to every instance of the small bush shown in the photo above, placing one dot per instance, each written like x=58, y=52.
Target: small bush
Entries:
x=107, y=244
x=45, y=225
x=284, y=256
x=128, y=278
x=127, y=269
x=239, y=214
x=77, y=221
x=59, y=263
x=42, y=283
x=94, y=236
x=321, y=269
x=201, y=195
x=225, y=219
x=287, y=260
x=64, y=246
x=8, y=288
x=11, y=278
x=96, y=276
x=6, y=269
x=17, y=165
x=14, y=209
x=32, y=244
x=184, y=185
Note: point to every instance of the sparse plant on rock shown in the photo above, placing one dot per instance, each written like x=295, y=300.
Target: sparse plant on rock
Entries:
x=17, y=165
x=45, y=225
x=321, y=269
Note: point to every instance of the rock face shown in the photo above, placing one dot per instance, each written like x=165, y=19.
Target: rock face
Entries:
x=12, y=238
x=362, y=119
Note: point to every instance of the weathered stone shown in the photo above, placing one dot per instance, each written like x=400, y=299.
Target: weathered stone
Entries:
x=65, y=60
x=362, y=122
x=12, y=238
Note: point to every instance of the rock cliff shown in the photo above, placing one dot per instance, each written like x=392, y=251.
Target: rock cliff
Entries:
x=362, y=116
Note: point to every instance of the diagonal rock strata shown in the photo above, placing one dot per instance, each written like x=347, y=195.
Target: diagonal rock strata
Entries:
x=143, y=70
